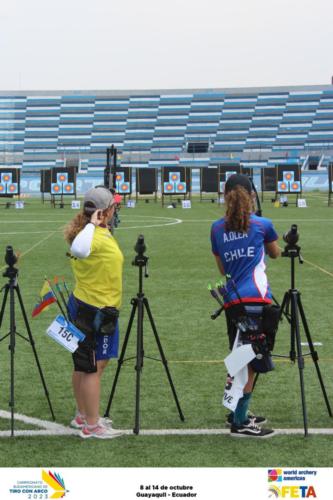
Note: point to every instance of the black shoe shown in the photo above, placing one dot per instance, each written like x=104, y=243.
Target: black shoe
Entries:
x=249, y=429
x=255, y=418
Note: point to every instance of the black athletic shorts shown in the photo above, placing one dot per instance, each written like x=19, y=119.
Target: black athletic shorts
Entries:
x=233, y=313
x=254, y=311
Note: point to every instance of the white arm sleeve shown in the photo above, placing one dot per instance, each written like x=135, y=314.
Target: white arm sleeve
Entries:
x=81, y=246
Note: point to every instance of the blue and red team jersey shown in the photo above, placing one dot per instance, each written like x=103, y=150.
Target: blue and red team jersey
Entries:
x=243, y=258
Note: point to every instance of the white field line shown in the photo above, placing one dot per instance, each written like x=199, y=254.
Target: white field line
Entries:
x=44, y=424
x=39, y=243
x=173, y=221
x=32, y=221
x=170, y=222
x=134, y=217
x=22, y=433
x=32, y=232
x=176, y=221
x=34, y=246
x=129, y=218
x=318, y=267
x=315, y=266
x=54, y=429
x=303, y=220
x=274, y=220
x=162, y=432
x=215, y=432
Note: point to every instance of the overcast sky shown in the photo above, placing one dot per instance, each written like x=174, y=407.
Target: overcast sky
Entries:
x=150, y=44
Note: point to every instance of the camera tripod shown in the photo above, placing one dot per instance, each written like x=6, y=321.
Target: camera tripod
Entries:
x=292, y=309
x=139, y=305
x=10, y=289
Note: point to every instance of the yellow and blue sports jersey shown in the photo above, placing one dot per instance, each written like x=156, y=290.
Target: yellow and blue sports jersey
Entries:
x=242, y=256
x=99, y=276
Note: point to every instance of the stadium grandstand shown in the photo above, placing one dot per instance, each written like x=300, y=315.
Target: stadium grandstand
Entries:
x=257, y=127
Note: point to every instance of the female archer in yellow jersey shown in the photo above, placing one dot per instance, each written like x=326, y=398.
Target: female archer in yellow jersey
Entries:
x=94, y=305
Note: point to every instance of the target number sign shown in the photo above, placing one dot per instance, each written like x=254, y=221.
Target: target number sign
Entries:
x=65, y=333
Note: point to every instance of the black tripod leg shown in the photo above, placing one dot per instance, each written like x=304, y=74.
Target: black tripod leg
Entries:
x=314, y=353
x=255, y=381
x=165, y=363
x=285, y=305
x=300, y=359
x=3, y=305
x=293, y=339
x=32, y=342
x=12, y=357
x=139, y=364
x=121, y=358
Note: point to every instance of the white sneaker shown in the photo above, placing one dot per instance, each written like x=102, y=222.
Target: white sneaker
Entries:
x=98, y=431
x=78, y=422
x=106, y=421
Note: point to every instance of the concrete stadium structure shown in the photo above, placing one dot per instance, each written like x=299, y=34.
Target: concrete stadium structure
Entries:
x=257, y=127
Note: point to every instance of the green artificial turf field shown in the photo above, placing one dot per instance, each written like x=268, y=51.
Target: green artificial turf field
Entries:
x=180, y=267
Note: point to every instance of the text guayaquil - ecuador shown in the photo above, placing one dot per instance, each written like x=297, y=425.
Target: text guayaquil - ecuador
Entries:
x=173, y=494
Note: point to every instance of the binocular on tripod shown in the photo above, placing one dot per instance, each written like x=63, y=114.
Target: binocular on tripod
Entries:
x=140, y=259
x=12, y=290
x=10, y=258
x=292, y=249
x=292, y=309
x=140, y=307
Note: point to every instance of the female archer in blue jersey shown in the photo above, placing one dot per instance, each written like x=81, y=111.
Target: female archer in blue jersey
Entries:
x=240, y=241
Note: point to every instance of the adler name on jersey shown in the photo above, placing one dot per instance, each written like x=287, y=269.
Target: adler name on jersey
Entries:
x=233, y=235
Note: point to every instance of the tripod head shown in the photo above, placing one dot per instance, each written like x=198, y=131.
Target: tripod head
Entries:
x=10, y=259
x=292, y=250
x=140, y=259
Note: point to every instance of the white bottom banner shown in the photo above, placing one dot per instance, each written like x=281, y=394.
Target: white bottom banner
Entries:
x=169, y=483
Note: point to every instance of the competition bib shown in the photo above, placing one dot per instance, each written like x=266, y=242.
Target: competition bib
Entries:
x=65, y=333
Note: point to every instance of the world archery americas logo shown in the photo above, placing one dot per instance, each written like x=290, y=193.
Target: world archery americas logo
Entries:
x=274, y=475
x=56, y=482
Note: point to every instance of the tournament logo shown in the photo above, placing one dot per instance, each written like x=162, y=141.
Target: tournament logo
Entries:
x=56, y=482
x=50, y=485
